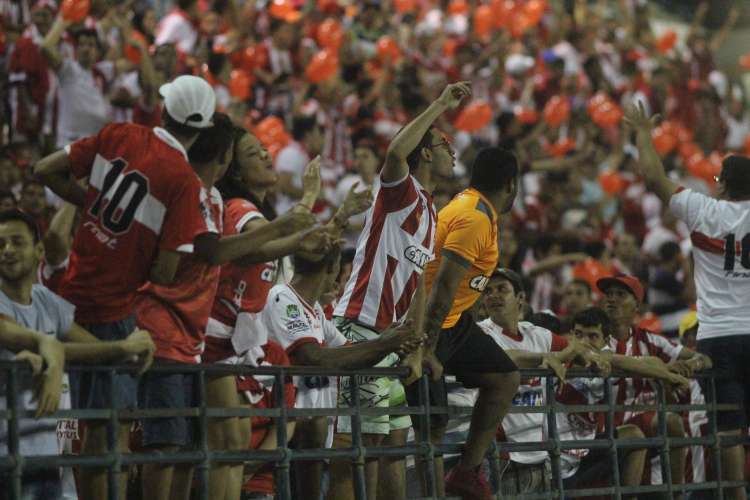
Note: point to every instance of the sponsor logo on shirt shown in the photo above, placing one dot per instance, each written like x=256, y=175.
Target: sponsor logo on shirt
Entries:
x=479, y=283
x=296, y=326
x=417, y=256
x=533, y=397
x=292, y=311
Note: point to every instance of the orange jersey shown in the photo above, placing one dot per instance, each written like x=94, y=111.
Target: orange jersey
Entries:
x=467, y=226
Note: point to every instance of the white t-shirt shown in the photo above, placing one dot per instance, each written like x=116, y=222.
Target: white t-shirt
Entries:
x=52, y=315
x=720, y=233
x=292, y=322
x=176, y=28
x=83, y=105
x=526, y=427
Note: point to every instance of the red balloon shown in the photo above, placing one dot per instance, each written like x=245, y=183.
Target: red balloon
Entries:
x=404, y=6
x=526, y=116
x=556, y=111
x=271, y=133
x=520, y=23
x=534, y=10
x=607, y=115
x=664, y=141
x=502, y=11
x=75, y=10
x=561, y=147
x=651, y=322
x=330, y=34
x=254, y=57
x=388, y=49
x=745, y=61
x=590, y=271
x=687, y=150
x=683, y=133
x=475, y=116
x=484, y=21
x=458, y=7
x=239, y=84
x=611, y=182
x=666, y=42
x=324, y=65
x=595, y=101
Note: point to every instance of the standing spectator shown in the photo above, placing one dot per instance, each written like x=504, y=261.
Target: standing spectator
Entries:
x=179, y=27
x=291, y=161
x=366, y=165
x=33, y=85
x=275, y=95
x=576, y=297
x=122, y=242
x=719, y=232
x=83, y=105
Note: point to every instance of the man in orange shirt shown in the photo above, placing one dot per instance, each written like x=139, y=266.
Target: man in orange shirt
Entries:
x=466, y=253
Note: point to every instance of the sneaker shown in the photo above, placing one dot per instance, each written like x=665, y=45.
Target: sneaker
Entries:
x=468, y=482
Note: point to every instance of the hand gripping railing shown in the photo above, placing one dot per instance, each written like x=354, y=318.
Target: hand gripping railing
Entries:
x=203, y=456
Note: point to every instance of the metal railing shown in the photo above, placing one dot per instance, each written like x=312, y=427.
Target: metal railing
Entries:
x=202, y=456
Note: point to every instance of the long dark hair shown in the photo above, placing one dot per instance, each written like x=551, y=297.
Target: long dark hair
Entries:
x=230, y=187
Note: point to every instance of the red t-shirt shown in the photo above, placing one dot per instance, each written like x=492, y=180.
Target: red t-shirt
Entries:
x=142, y=196
x=176, y=315
x=241, y=288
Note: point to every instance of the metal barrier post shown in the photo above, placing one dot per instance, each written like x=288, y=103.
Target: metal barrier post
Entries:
x=424, y=436
x=713, y=422
x=283, y=483
x=360, y=488
x=113, y=449
x=494, y=459
x=554, y=437
x=609, y=396
x=666, y=465
x=203, y=467
x=12, y=399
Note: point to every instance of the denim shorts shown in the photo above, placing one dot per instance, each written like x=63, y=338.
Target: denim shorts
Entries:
x=168, y=391
x=94, y=390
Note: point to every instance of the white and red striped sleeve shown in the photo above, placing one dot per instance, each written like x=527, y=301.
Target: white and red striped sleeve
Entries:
x=398, y=194
x=664, y=348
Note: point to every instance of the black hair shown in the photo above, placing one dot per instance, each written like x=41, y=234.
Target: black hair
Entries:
x=302, y=125
x=176, y=128
x=347, y=255
x=425, y=142
x=275, y=23
x=668, y=251
x=185, y=4
x=90, y=32
x=230, y=187
x=216, y=62
x=31, y=182
x=493, y=169
x=594, y=316
x=735, y=174
x=511, y=276
x=213, y=142
x=595, y=249
x=306, y=267
x=6, y=193
x=16, y=215
x=546, y=320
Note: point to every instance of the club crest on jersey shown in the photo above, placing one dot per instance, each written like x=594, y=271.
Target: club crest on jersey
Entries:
x=417, y=256
x=479, y=283
x=292, y=311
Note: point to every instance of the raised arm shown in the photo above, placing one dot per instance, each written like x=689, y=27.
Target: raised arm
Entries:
x=51, y=40
x=403, y=144
x=55, y=172
x=649, y=160
x=59, y=237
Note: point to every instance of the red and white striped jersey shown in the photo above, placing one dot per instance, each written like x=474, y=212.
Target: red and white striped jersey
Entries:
x=720, y=233
x=142, y=196
x=396, y=244
x=640, y=391
x=526, y=427
x=177, y=314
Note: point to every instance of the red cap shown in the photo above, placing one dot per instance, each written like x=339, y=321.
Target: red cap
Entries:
x=631, y=283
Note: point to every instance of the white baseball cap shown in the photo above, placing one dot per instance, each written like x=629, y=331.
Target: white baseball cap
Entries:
x=189, y=100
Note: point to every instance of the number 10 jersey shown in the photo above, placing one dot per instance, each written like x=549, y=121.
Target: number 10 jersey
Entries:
x=141, y=196
x=720, y=233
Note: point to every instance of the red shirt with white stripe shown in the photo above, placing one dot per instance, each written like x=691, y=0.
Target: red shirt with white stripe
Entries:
x=142, y=196
x=396, y=244
x=640, y=391
x=525, y=427
x=176, y=315
x=720, y=232
x=241, y=288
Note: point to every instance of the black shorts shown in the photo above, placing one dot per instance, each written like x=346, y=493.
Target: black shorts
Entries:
x=464, y=350
x=731, y=366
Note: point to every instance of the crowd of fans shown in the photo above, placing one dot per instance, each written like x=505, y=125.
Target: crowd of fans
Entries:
x=310, y=96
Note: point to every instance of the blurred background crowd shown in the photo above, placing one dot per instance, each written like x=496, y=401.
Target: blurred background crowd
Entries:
x=340, y=77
